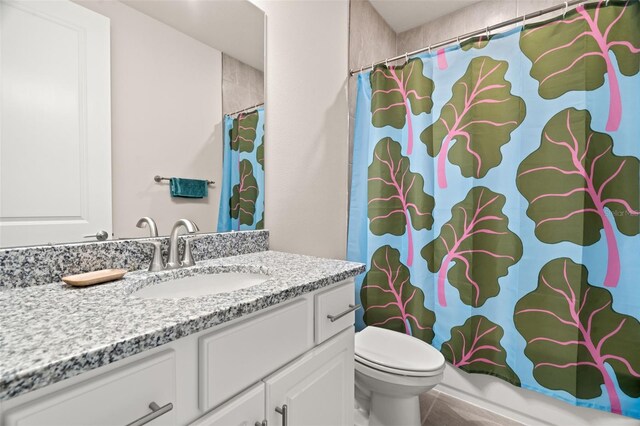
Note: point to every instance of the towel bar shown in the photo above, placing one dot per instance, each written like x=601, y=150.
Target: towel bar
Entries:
x=159, y=179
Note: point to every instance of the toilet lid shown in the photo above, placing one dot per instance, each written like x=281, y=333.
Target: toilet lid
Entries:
x=395, y=352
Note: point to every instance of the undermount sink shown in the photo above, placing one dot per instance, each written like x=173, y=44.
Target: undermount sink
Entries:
x=201, y=285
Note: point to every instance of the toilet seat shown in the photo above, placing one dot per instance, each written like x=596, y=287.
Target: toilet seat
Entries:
x=397, y=353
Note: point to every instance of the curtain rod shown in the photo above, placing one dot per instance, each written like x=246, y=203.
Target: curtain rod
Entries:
x=565, y=5
x=247, y=109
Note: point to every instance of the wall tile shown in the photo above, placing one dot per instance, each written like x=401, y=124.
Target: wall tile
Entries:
x=242, y=85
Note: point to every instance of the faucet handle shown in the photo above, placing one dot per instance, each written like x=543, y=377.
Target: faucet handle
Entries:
x=157, y=263
x=147, y=221
x=187, y=258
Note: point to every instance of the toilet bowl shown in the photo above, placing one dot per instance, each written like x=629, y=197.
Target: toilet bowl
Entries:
x=391, y=370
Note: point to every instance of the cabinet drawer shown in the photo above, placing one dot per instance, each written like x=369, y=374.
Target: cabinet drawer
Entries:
x=235, y=358
x=333, y=302
x=115, y=398
x=246, y=409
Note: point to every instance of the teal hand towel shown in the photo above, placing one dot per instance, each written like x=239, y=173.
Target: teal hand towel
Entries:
x=188, y=188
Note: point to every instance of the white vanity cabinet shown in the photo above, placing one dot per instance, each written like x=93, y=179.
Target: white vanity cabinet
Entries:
x=316, y=389
x=118, y=397
x=247, y=409
x=290, y=364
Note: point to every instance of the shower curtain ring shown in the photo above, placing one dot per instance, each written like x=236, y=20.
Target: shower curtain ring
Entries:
x=429, y=49
x=458, y=40
x=406, y=57
x=566, y=8
x=486, y=30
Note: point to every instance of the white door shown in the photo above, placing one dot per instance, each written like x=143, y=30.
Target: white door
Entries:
x=55, y=122
x=317, y=389
x=246, y=409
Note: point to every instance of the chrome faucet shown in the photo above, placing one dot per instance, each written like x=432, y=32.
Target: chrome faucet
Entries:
x=147, y=221
x=174, y=262
x=157, y=264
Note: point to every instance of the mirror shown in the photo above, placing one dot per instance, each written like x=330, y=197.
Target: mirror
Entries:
x=101, y=96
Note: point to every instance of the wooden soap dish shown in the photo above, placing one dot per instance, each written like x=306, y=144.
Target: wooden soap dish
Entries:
x=95, y=277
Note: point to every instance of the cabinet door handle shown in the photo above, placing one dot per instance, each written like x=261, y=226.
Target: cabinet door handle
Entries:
x=336, y=317
x=156, y=411
x=285, y=413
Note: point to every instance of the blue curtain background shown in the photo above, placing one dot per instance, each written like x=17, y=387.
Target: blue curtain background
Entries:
x=523, y=276
x=230, y=176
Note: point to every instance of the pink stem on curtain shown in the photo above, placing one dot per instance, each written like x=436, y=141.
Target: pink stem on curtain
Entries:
x=442, y=162
x=407, y=107
x=613, y=261
x=615, y=101
x=401, y=193
x=457, y=129
x=452, y=253
x=442, y=59
x=442, y=277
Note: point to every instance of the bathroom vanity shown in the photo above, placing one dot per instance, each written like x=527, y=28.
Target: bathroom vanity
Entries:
x=274, y=353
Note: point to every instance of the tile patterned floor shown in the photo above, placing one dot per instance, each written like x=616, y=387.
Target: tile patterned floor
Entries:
x=439, y=409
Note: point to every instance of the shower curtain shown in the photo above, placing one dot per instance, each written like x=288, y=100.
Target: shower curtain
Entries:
x=495, y=200
x=242, y=195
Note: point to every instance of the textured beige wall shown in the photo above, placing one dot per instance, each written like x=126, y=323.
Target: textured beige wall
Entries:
x=242, y=85
x=471, y=18
x=166, y=114
x=306, y=125
x=370, y=39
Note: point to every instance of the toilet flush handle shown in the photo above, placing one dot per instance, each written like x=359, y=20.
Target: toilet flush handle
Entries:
x=336, y=317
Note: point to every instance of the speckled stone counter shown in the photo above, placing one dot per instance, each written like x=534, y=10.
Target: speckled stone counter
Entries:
x=36, y=265
x=53, y=331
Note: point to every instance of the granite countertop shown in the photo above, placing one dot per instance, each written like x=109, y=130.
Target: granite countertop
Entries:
x=52, y=332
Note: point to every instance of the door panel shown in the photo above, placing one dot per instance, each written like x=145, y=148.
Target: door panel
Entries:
x=244, y=410
x=55, y=135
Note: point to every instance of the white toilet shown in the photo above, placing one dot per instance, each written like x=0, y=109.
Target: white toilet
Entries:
x=392, y=370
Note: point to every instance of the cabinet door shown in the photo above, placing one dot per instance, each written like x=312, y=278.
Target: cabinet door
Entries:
x=117, y=397
x=244, y=410
x=317, y=388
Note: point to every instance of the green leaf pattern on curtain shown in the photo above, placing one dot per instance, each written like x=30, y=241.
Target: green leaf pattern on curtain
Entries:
x=546, y=143
x=477, y=239
x=475, y=348
x=568, y=195
x=580, y=45
x=245, y=194
x=397, y=200
x=476, y=122
x=399, y=92
x=391, y=301
x=573, y=333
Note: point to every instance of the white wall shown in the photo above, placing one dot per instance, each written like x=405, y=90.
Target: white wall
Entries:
x=306, y=126
x=166, y=119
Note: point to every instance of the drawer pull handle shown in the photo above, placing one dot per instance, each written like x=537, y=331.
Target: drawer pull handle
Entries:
x=262, y=423
x=352, y=308
x=156, y=411
x=284, y=411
